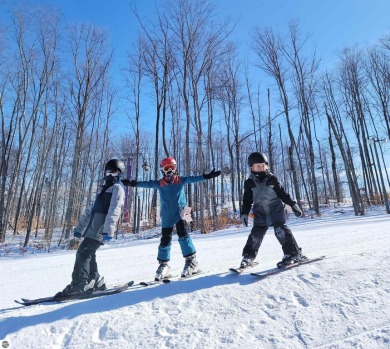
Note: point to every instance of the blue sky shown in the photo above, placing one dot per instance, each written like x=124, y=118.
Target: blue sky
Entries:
x=332, y=24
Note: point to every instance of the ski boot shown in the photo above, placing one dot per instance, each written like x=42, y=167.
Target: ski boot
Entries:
x=75, y=289
x=291, y=258
x=99, y=285
x=246, y=262
x=190, y=266
x=162, y=271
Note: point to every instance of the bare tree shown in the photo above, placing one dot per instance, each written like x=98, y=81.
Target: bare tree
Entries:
x=134, y=74
x=377, y=68
x=33, y=66
x=336, y=123
x=231, y=98
x=304, y=71
x=91, y=57
x=268, y=47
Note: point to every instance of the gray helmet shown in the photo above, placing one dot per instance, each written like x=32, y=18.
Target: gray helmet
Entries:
x=115, y=164
x=257, y=158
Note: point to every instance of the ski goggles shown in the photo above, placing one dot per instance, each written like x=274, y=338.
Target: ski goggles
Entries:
x=168, y=168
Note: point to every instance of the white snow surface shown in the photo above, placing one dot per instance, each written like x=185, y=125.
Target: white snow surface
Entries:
x=342, y=301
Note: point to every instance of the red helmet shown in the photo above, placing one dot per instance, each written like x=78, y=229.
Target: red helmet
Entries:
x=168, y=166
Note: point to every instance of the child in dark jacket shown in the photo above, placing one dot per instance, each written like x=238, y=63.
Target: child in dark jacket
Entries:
x=263, y=190
x=97, y=225
x=173, y=203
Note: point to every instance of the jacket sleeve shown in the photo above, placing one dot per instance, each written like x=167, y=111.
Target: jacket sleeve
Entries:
x=115, y=210
x=148, y=184
x=281, y=193
x=247, y=197
x=84, y=220
x=192, y=179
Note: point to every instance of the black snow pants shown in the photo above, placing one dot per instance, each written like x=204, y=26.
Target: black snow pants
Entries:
x=282, y=233
x=85, y=267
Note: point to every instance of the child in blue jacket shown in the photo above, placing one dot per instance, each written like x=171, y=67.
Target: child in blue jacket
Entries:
x=173, y=201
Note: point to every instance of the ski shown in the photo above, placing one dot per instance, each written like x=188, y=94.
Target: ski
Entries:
x=110, y=291
x=27, y=302
x=169, y=279
x=240, y=270
x=165, y=280
x=275, y=271
x=129, y=284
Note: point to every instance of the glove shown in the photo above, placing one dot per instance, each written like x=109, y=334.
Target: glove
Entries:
x=244, y=219
x=106, y=237
x=76, y=234
x=212, y=174
x=297, y=210
x=74, y=244
x=129, y=183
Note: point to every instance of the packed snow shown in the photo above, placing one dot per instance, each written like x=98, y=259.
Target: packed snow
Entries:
x=342, y=301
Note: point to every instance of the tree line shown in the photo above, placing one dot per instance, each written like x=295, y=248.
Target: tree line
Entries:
x=324, y=131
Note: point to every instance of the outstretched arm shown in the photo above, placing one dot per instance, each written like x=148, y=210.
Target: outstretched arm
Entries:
x=141, y=184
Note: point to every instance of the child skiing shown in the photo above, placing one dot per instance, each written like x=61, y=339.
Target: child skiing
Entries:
x=97, y=225
x=263, y=190
x=173, y=202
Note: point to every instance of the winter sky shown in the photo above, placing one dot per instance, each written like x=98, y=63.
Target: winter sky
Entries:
x=333, y=24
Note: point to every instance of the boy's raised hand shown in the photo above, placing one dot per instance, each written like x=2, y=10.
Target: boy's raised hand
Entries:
x=297, y=210
x=212, y=174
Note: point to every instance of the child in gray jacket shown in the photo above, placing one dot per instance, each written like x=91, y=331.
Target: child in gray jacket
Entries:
x=97, y=225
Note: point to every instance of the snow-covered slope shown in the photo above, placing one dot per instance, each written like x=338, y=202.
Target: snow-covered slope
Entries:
x=340, y=302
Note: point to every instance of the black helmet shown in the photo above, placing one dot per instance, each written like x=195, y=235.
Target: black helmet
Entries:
x=257, y=158
x=115, y=164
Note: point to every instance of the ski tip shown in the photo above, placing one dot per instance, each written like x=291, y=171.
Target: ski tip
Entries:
x=166, y=281
x=235, y=270
x=314, y=259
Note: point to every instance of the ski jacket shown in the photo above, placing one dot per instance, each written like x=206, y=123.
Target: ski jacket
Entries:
x=267, y=197
x=172, y=196
x=102, y=217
